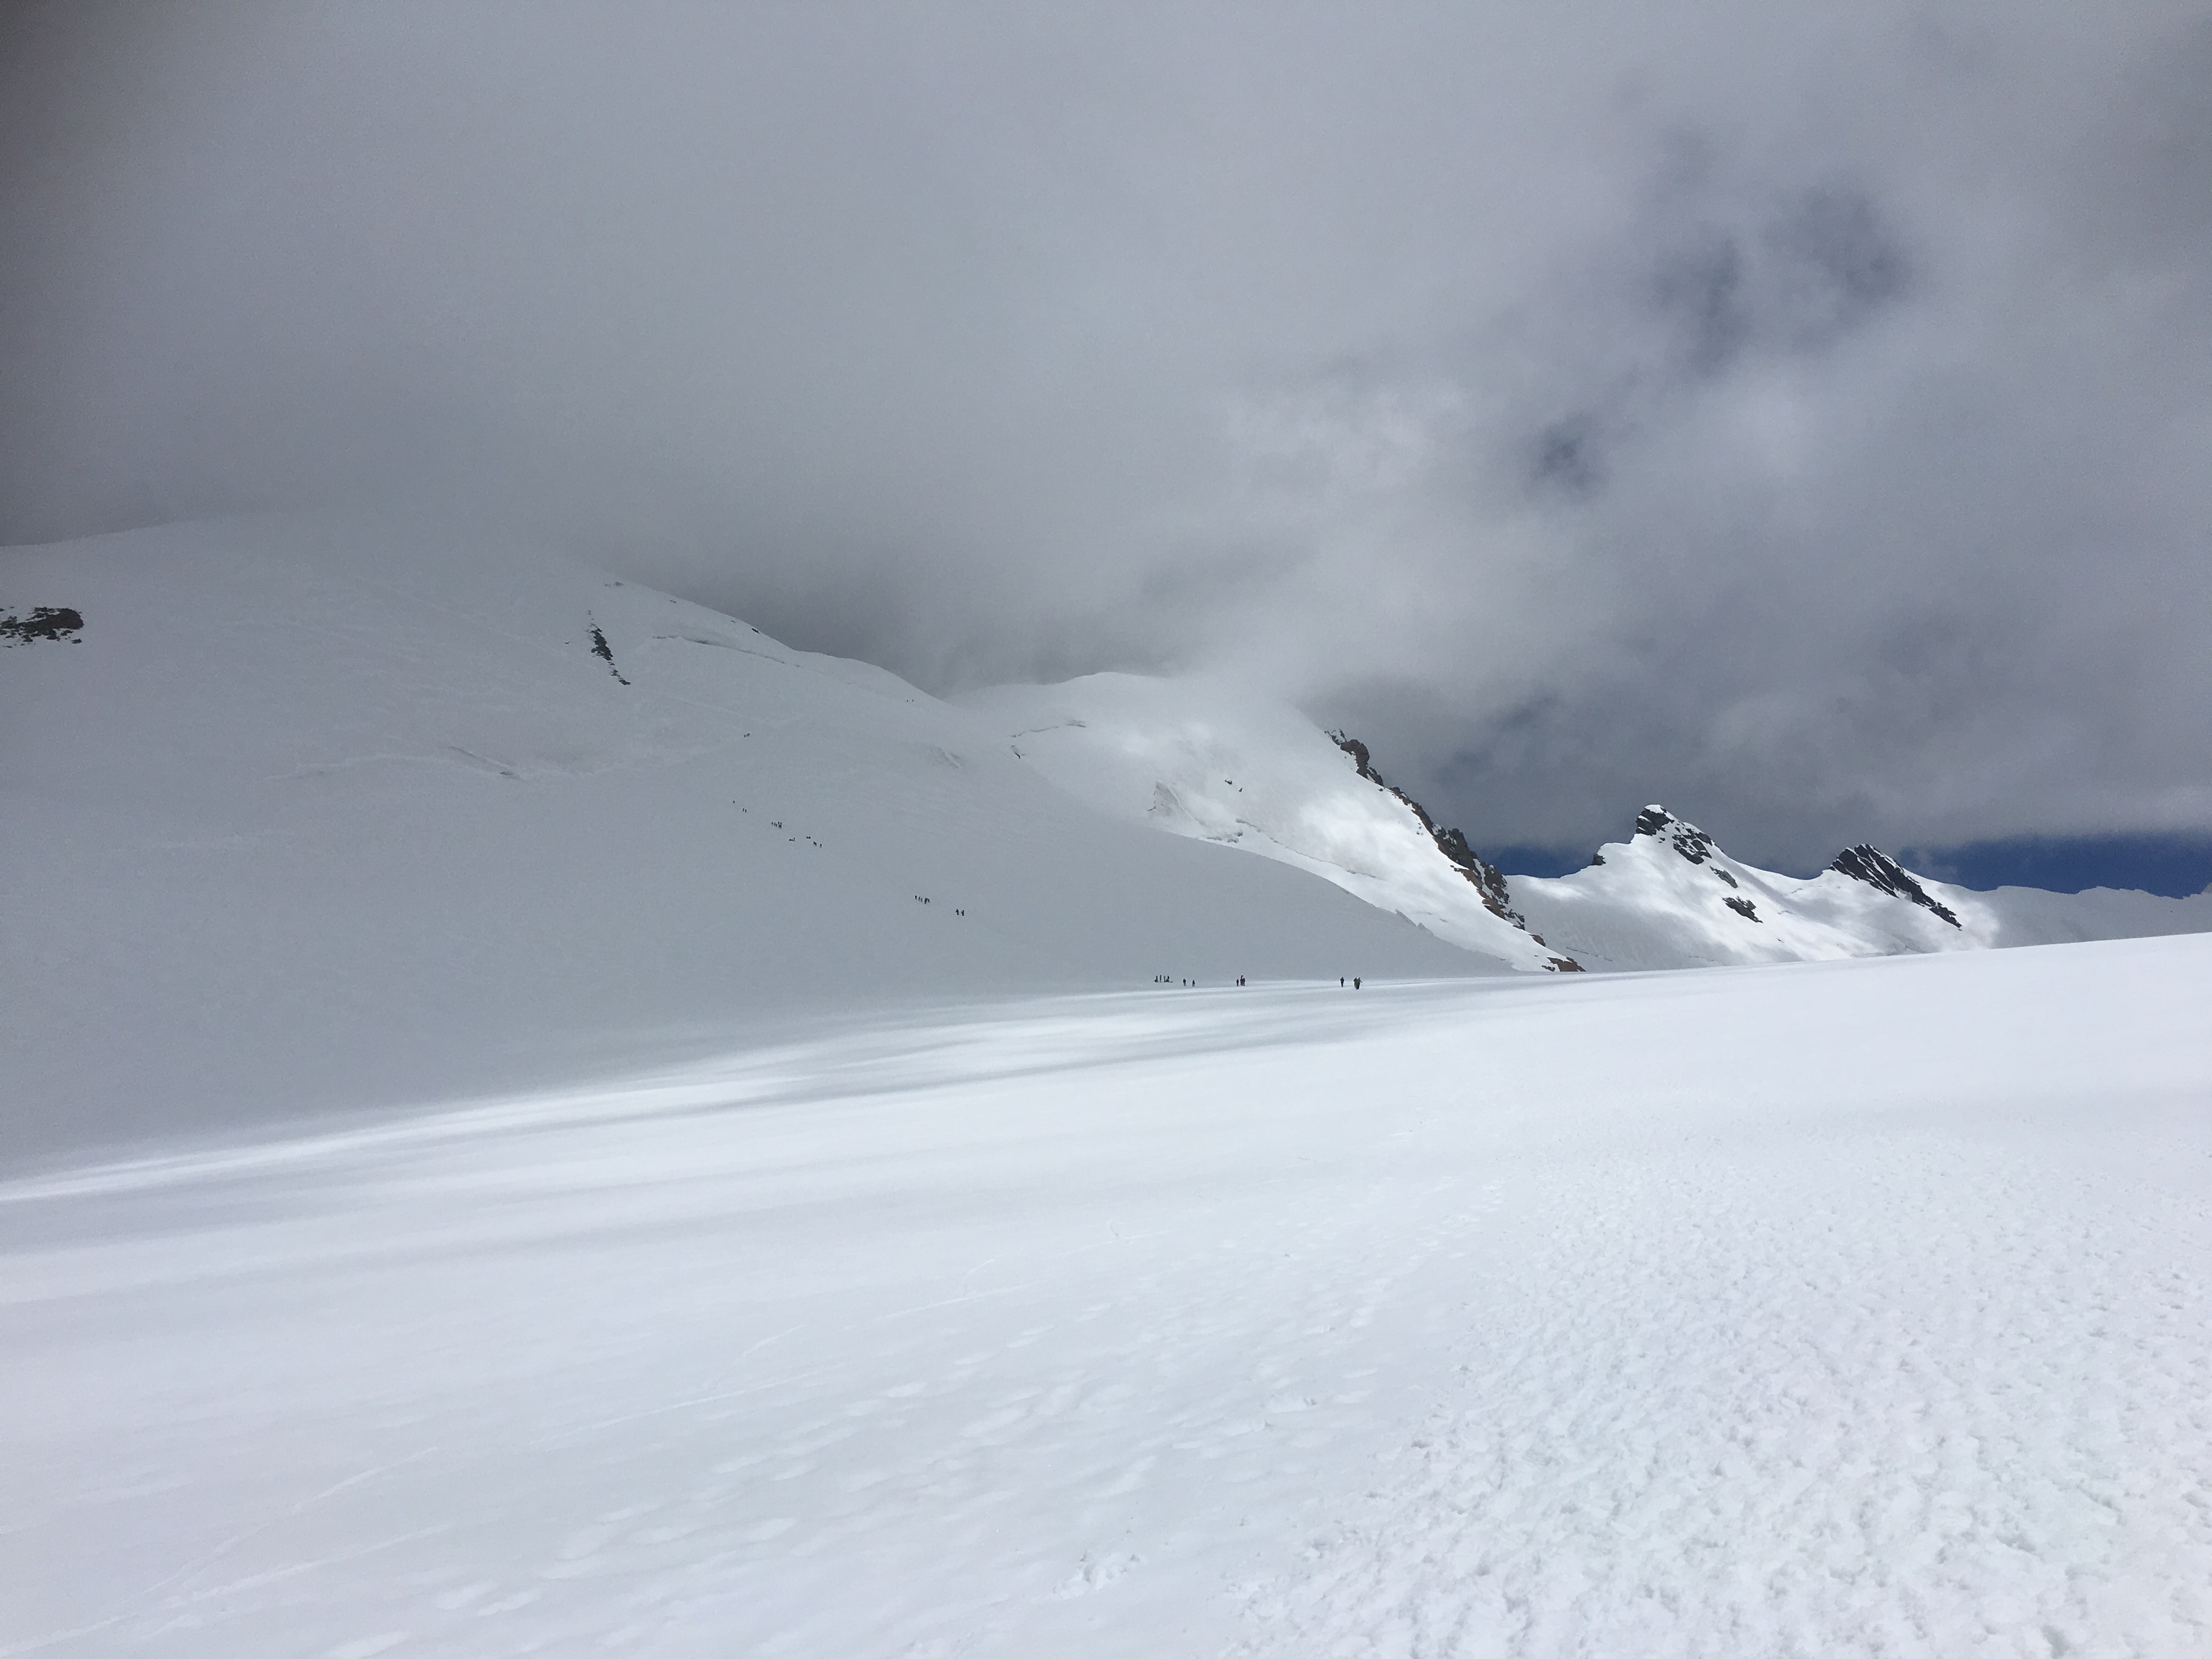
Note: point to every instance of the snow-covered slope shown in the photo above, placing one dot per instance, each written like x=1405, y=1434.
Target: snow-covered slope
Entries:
x=1840, y=1308
x=306, y=814
x=1669, y=898
x=300, y=814
x=1661, y=1315
x=1203, y=760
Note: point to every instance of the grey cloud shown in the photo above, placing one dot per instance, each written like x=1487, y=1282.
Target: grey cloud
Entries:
x=1568, y=456
x=1796, y=414
x=1815, y=267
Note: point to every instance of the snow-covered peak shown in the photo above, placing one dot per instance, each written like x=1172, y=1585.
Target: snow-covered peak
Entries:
x=1204, y=760
x=1198, y=758
x=1877, y=869
x=1685, y=837
x=1670, y=896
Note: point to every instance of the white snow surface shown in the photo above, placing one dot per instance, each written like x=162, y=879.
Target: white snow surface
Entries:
x=1196, y=757
x=1843, y=1308
x=1649, y=905
x=341, y=816
x=345, y=815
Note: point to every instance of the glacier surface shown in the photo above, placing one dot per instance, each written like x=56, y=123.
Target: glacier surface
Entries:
x=1835, y=1308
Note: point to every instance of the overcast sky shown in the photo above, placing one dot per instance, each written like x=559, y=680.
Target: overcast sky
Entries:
x=1800, y=414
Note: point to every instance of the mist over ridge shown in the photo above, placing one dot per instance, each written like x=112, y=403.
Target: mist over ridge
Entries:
x=1799, y=417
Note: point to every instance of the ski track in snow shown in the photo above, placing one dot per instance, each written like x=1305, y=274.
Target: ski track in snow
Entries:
x=1843, y=1310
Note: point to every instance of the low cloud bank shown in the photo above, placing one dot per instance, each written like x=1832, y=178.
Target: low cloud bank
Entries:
x=1797, y=414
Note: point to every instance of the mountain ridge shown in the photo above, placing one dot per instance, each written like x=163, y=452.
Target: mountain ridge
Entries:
x=311, y=815
x=305, y=815
x=1645, y=903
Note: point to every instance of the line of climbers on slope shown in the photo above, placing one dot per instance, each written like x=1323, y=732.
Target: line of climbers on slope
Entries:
x=1192, y=984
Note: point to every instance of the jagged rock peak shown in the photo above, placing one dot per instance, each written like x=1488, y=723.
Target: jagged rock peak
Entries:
x=1451, y=842
x=1357, y=750
x=1487, y=879
x=1692, y=842
x=1877, y=869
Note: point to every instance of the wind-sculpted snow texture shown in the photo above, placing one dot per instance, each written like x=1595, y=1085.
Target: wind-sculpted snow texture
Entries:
x=1849, y=1308
x=344, y=815
x=1202, y=760
x=1670, y=898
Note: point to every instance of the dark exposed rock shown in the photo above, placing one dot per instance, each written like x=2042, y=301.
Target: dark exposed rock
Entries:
x=1477, y=869
x=1878, y=870
x=1692, y=842
x=605, y=653
x=1484, y=877
x=45, y=622
x=1725, y=875
x=1742, y=907
x=1357, y=750
x=1596, y=859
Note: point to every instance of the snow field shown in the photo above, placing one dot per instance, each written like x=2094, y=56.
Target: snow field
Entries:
x=331, y=816
x=1835, y=1309
x=341, y=816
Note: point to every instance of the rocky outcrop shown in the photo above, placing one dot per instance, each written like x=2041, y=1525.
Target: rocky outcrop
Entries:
x=604, y=651
x=1861, y=863
x=1692, y=842
x=1484, y=877
x=1878, y=870
x=45, y=622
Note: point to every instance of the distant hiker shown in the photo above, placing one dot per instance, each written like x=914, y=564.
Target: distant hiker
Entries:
x=1340, y=981
x=1355, y=984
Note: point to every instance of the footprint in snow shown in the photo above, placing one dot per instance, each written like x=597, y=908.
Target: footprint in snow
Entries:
x=1095, y=1575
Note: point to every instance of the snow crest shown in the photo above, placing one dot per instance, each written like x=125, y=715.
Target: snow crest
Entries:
x=1670, y=896
x=1200, y=758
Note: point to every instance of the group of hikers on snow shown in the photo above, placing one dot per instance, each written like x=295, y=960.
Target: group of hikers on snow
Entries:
x=1192, y=984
